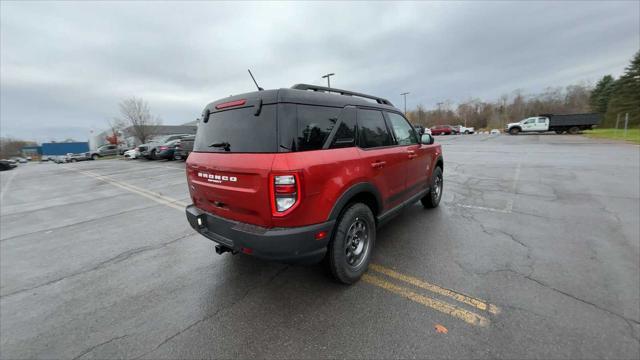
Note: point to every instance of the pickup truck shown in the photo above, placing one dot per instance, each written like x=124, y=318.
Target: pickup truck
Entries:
x=105, y=150
x=459, y=129
x=570, y=123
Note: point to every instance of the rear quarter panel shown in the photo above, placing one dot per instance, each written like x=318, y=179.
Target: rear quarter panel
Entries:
x=325, y=175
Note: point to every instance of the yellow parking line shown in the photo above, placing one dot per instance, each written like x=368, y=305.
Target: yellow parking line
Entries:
x=465, y=315
x=477, y=303
x=443, y=307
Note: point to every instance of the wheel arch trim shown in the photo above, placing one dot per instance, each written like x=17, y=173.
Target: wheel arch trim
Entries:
x=350, y=193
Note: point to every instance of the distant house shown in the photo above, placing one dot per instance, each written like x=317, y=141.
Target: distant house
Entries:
x=31, y=151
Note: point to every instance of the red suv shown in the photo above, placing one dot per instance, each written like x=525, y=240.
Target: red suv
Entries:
x=443, y=130
x=307, y=172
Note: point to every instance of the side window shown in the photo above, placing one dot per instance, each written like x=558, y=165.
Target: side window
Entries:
x=541, y=120
x=372, y=131
x=314, y=126
x=346, y=133
x=403, y=131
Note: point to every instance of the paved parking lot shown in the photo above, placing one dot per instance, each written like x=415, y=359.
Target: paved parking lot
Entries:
x=534, y=253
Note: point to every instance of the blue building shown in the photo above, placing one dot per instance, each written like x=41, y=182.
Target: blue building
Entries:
x=63, y=148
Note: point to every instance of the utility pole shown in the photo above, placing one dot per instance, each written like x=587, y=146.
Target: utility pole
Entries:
x=404, y=94
x=328, y=76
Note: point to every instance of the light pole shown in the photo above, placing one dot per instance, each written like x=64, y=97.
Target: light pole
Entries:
x=404, y=94
x=328, y=76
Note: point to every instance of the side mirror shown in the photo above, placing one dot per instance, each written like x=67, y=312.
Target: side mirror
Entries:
x=426, y=139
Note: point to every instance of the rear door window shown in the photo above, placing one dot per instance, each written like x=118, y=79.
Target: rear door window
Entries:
x=238, y=131
x=372, y=130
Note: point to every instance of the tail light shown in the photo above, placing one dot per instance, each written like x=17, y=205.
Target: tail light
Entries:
x=285, y=193
x=162, y=148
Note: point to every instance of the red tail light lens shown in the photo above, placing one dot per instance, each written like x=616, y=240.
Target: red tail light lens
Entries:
x=285, y=193
x=163, y=148
x=231, y=104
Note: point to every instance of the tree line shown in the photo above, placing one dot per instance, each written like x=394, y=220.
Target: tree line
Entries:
x=609, y=97
x=614, y=97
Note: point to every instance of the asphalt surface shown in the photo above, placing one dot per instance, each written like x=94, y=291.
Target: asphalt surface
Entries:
x=533, y=253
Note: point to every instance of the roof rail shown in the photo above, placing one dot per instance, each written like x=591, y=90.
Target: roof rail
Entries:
x=379, y=100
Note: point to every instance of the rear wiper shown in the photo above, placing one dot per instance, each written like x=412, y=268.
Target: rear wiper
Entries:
x=225, y=145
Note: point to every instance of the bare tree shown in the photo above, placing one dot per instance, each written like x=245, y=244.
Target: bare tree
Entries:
x=115, y=128
x=11, y=147
x=136, y=115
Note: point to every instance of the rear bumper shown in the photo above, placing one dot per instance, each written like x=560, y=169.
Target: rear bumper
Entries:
x=296, y=244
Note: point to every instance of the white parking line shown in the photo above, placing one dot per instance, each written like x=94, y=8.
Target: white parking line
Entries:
x=503, y=211
x=6, y=185
x=162, y=199
x=509, y=207
x=514, y=187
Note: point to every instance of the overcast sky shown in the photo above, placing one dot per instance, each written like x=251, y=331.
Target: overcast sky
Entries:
x=65, y=66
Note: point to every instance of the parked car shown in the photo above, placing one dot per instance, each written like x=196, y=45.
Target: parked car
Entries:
x=150, y=149
x=60, y=159
x=132, y=153
x=184, y=147
x=282, y=185
x=19, y=159
x=7, y=164
x=70, y=157
x=442, y=130
x=167, y=150
x=105, y=150
x=570, y=123
x=459, y=129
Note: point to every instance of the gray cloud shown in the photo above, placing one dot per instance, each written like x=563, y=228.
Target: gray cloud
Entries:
x=65, y=66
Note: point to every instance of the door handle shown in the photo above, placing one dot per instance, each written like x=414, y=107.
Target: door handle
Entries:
x=378, y=164
x=411, y=154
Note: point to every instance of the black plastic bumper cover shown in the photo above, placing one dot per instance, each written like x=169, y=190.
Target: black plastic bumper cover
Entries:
x=296, y=244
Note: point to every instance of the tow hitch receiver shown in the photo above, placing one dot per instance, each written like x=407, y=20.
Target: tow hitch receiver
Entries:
x=221, y=249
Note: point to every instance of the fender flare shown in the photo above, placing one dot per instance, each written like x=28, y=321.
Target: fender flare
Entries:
x=439, y=159
x=353, y=190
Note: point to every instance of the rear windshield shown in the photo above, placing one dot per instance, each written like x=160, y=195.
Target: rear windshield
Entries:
x=238, y=131
x=295, y=128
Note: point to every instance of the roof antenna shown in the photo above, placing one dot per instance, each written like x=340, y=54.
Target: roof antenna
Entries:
x=254, y=81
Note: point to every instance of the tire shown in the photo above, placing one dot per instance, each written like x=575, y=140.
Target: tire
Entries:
x=574, y=130
x=432, y=198
x=352, y=244
x=559, y=132
x=73, y=160
x=152, y=155
x=95, y=157
x=466, y=132
x=514, y=131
